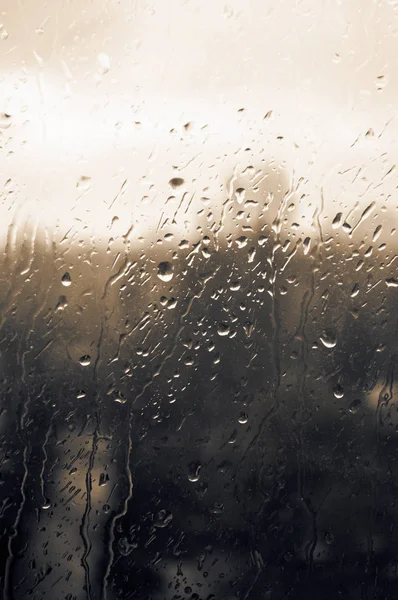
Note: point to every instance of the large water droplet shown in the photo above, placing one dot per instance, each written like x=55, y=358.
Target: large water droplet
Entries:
x=165, y=271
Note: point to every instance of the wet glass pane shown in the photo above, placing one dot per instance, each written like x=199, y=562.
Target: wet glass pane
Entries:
x=198, y=292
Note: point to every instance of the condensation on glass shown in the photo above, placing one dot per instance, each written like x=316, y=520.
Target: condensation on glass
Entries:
x=198, y=323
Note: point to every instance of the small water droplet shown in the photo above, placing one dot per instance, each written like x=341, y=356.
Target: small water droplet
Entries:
x=84, y=183
x=104, y=63
x=120, y=399
x=81, y=394
x=85, y=360
x=163, y=518
x=5, y=120
x=176, y=182
x=46, y=505
x=223, y=329
x=243, y=418
x=3, y=32
x=194, y=472
x=240, y=195
x=337, y=220
x=104, y=479
x=165, y=271
x=329, y=538
x=217, y=508
x=329, y=338
x=241, y=241
x=355, y=406
x=66, y=280
x=338, y=391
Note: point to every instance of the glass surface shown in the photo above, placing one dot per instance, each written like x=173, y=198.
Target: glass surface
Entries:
x=198, y=299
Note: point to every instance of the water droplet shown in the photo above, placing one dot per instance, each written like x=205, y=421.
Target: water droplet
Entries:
x=104, y=63
x=165, y=271
x=106, y=508
x=120, y=399
x=194, y=471
x=338, y=391
x=329, y=538
x=217, y=508
x=163, y=518
x=103, y=479
x=355, y=291
x=243, y=418
x=240, y=195
x=81, y=394
x=176, y=182
x=46, y=505
x=223, y=329
x=355, y=406
x=337, y=220
x=85, y=360
x=3, y=32
x=392, y=282
x=329, y=338
x=241, y=241
x=84, y=183
x=66, y=280
x=5, y=120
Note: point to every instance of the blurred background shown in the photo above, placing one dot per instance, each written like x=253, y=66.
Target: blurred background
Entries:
x=198, y=287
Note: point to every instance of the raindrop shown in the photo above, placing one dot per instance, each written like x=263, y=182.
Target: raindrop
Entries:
x=337, y=220
x=84, y=183
x=103, y=479
x=338, y=391
x=392, y=282
x=176, y=182
x=329, y=338
x=329, y=538
x=85, y=360
x=355, y=406
x=66, y=280
x=46, y=505
x=307, y=245
x=165, y=271
x=241, y=241
x=120, y=399
x=5, y=120
x=104, y=63
x=240, y=195
x=242, y=418
x=3, y=32
x=163, y=518
x=194, y=471
x=223, y=329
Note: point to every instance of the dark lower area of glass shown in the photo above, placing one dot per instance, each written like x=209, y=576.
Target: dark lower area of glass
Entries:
x=228, y=433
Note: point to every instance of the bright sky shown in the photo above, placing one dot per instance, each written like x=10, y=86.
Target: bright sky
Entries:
x=99, y=93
